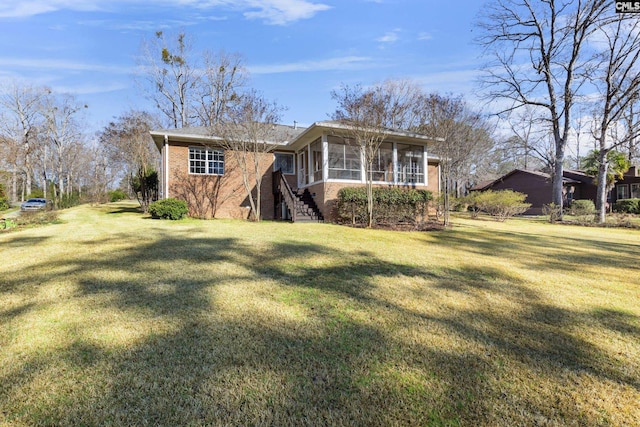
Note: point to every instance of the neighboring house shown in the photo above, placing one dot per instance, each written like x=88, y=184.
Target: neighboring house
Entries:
x=576, y=185
x=300, y=178
x=628, y=187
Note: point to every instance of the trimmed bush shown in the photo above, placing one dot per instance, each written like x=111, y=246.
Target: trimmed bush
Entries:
x=500, y=204
x=117, y=195
x=173, y=209
x=631, y=206
x=391, y=205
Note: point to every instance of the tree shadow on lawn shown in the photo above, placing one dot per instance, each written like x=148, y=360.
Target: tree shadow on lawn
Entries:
x=564, y=253
x=347, y=358
x=119, y=210
x=17, y=240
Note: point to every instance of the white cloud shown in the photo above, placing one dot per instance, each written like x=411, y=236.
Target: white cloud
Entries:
x=390, y=36
x=91, y=89
x=340, y=63
x=425, y=36
x=275, y=12
x=27, y=8
x=57, y=64
x=281, y=12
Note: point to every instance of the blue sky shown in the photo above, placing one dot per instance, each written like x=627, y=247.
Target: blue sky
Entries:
x=297, y=51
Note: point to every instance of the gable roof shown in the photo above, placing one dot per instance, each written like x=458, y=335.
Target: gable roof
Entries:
x=485, y=185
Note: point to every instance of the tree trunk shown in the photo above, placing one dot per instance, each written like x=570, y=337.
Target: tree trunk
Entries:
x=445, y=204
x=14, y=184
x=370, y=198
x=558, y=171
x=27, y=182
x=601, y=198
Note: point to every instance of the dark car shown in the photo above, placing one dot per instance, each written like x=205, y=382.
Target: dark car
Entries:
x=34, y=204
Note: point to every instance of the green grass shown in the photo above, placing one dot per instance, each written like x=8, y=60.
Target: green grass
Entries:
x=112, y=318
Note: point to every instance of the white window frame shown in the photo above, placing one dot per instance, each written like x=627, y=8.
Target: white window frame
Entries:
x=416, y=166
x=346, y=160
x=211, y=159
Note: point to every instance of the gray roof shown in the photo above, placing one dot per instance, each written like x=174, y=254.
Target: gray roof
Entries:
x=282, y=135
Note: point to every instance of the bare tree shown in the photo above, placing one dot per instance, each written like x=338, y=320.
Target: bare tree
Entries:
x=63, y=132
x=22, y=124
x=370, y=115
x=631, y=146
x=531, y=139
x=464, y=138
x=247, y=135
x=170, y=77
x=617, y=79
x=541, y=59
x=9, y=154
x=128, y=143
x=190, y=88
x=219, y=88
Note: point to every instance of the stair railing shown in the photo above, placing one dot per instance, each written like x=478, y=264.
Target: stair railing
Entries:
x=287, y=193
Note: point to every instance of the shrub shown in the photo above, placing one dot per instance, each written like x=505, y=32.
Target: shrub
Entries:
x=37, y=217
x=169, y=209
x=627, y=206
x=69, y=200
x=391, y=205
x=117, y=195
x=4, y=203
x=6, y=224
x=501, y=204
x=37, y=193
x=583, y=209
x=553, y=211
x=471, y=202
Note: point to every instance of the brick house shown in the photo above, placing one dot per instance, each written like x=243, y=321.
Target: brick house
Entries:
x=300, y=177
x=536, y=185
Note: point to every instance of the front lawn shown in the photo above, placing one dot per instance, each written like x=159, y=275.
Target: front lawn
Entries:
x=112, y=318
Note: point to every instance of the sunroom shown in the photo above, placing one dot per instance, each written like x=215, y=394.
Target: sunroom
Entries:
x=325, y=153
x=327, y=159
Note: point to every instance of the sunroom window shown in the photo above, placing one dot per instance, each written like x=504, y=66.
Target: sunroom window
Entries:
x=344, y=160
x=316, y=159
x=410, y=164
x=383, y=163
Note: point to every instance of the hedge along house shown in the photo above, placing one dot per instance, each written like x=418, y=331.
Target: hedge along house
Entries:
x=300, y=178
